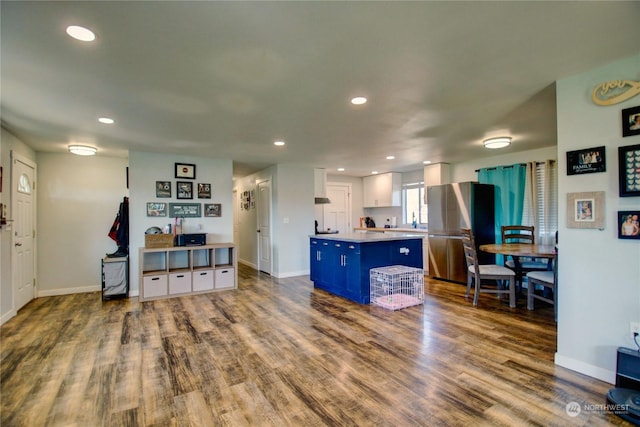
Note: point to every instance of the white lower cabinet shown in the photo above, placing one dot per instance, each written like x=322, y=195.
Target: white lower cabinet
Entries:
x=225, y=278
x=154, y=286
x=179, y=283
x=202, y=280
x=178, y=271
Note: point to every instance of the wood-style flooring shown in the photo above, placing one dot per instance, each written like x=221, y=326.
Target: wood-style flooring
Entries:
x=276, y=352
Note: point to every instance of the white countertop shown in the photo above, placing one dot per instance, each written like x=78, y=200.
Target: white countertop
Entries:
x=369, y=237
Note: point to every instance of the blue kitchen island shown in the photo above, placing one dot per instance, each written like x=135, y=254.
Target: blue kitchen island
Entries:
x=340, y=263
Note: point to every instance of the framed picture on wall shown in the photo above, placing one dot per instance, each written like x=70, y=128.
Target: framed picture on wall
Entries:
x=629, y=225
x=156, y=209
x=185, y=170
x=631, y=121
x=163, y=188
x=204, y=191
x=629, y=171
x=589, y=160
x=212, y=209
x=184, y=190
x=585, y=210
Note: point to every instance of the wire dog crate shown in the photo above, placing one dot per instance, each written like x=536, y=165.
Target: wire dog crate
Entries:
x=396, y=286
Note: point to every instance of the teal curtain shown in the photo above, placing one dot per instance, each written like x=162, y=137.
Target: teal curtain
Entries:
x=509, y=199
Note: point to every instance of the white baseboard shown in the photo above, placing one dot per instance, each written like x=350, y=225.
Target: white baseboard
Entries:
x=68, y=291
x=293, y=274
x=8, y=315
x=247, y=263
x=585, y=368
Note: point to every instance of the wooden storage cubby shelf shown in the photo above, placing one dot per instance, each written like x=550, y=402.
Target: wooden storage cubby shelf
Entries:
x=186, y=270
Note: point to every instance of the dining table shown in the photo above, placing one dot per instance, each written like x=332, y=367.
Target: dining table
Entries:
x=518, y=250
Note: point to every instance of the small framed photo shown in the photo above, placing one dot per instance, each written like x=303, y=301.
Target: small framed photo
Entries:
x=631, y=121
x=184, y=190
x=629, y=171
x=212, y=209
x=163, y=189
x=589, y=160
x=156, y=209
x=585, y=210
x=204, y=191
x=185, y=170
x=629, y=225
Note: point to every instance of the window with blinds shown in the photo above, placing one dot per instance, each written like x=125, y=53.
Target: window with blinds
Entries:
x=547, y=200
x=413, y=206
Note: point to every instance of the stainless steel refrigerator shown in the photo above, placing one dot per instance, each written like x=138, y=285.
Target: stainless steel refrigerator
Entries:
x=451, y=208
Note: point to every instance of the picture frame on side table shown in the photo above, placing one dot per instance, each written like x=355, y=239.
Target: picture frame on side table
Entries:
x=631, y=121
x=629, y=225
x=585, y=210
x=629, y=170
x=588, y=160
x=185, y=170
x=184, y=190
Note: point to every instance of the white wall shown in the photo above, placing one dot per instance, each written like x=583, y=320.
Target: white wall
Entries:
x=8, y=144
x=291, y=219
x=78, y=199
x=599, y=275
x=147, y=168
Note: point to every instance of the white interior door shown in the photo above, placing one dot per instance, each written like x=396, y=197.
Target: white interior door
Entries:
x=23, y=198
x=337, y=214
x=264, y=226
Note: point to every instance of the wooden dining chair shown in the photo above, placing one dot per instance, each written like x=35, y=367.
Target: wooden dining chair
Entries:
x=522, y=234
x=480, y=273
x=548, y=280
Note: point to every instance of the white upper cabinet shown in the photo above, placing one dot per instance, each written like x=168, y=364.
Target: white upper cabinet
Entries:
x=436, y=174
x=382, y=190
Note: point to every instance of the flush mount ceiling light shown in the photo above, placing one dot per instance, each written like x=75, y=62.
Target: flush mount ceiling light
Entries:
x=81, y=33
x=359, y=100
x=500, y=142
x=82, y=150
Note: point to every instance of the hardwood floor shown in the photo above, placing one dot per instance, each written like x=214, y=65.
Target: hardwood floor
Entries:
x=277, y=352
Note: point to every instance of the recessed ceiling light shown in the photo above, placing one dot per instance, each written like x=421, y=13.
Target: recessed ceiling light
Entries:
x=499, y=142
x=81, y=33
x=359, y=100
x=82, y=150
x=374, y=172
x=340, y=169
x=106, y=120
x=391, y=157
x=426, y=162
x=279, y=143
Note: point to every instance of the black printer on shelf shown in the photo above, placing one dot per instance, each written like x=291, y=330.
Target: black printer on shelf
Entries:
x=195, y=239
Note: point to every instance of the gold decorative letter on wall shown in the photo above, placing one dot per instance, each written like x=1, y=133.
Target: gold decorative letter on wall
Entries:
x=621, y=90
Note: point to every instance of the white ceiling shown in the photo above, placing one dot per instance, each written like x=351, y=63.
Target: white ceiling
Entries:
x=226, y=79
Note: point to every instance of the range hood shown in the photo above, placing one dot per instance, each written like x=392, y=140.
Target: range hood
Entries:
x=320, y=187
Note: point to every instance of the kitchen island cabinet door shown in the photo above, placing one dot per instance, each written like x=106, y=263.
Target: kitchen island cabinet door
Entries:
x=347, y=278
x=322, y=255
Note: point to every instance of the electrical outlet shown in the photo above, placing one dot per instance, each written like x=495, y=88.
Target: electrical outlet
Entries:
x=634, y=328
